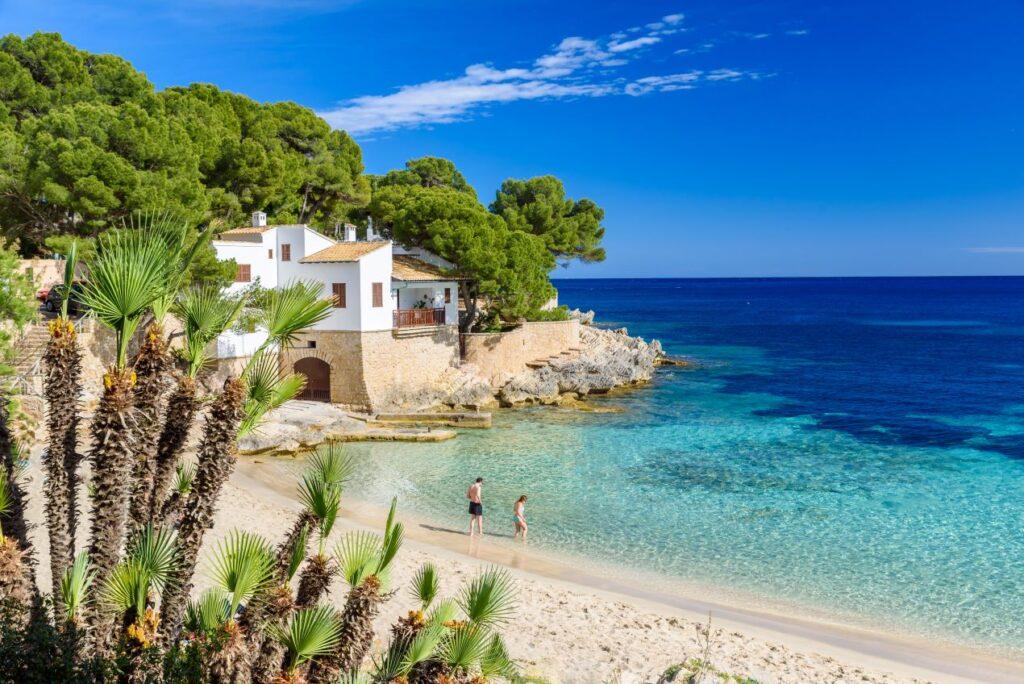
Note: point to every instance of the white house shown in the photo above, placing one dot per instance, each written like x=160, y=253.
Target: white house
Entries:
x=394, y=317
x=375, y=284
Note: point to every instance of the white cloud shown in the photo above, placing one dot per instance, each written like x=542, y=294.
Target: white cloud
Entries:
x=633, y=44
x=797, y=32
x=996, y=250
x=576, y=67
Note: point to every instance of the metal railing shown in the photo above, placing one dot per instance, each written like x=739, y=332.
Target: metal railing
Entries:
x=408, y=318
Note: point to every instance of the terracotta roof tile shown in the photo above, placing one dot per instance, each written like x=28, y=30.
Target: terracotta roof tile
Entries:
x=342, y=252
x=405, y=267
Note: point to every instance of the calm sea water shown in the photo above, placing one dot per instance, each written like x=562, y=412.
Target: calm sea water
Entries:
x=850, y=445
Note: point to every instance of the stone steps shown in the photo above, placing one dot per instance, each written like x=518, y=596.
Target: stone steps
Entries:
x=29, y=347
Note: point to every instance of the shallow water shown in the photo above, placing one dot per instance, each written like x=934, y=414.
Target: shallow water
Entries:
x=851, y=445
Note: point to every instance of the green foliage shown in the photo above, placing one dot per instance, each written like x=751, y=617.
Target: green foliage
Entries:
x=127, y=276
x=298, y=553
x=311, y=632
x=538, y=206
x=322, y=499
x=184, y=473
x=75, y=584
x=330, y=463
x=357, y=554
x=425, y=585
x=211, y=610
x=17, y=304
x=266, y=389
x=289, y=309
x=243, y=565
x=489, y=599
x=205, y=312
x=85, y=141
x=425, y=172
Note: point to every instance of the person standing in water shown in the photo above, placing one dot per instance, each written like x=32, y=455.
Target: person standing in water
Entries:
x=476, y=506
x=519, y=517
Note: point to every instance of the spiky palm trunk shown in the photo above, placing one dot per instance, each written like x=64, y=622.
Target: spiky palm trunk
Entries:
x=229, y=664
x=151, y=363
x=216, y=461
x=15, y=584
x=302, y=524
x=362, y=606
x=181, y=411
x=112, y=448
x=268, y=653
x=62, y=387
x=315, y=580
x=13, y=522
x=170, y=512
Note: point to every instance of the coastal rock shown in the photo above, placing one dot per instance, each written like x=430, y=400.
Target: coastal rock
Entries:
x=458, y=388
x=584, y=317
x=608, y=359
x=297, y=425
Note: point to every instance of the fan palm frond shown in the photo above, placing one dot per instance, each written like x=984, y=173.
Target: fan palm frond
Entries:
x=357, y=554
x=266, y=389
x=211, y=610
x=298, y=552
x=5, y=494
x=75, y=585
x=423, y=646
x=331, y=464
x=311, y=632
x=495, y=661
x=489, y=599
x=156, y=551
x=127, y=588
x=70, y=264
x=205, y=313
x=425, y=585
x=184, y=474
x=322, y=499
x=243, y=565
x=444, y=612
x=129, y=273
x=463, y=647
x=289, y=309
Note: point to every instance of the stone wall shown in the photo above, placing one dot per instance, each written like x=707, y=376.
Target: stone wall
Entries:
x=378, y=370
x=500, y=356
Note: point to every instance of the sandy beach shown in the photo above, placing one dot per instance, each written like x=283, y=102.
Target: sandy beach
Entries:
x=572, y=626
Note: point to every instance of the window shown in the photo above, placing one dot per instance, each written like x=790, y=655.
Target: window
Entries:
x=243, y=274
x=286, y=252
x=338, y=290
x=311, y=344
x=447, y=295
x=270, y=254
x=378, y=295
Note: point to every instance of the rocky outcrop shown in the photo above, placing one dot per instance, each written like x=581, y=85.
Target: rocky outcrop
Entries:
x=607, y=359
x=460, y=388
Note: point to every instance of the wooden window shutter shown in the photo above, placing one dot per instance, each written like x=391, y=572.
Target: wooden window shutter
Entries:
x=244, y=273
x=447, y=295
x=286, y=252
x=338, y=290
x=378, y=295
x=270, y=254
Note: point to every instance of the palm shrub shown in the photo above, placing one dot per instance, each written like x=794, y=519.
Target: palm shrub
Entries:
x=62, y=387
x=181, y=486
x=235, y=412
x=127, y=276
x=152, y=361
x=205, y=312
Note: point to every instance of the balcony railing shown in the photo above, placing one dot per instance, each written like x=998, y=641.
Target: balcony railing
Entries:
x=410, y=318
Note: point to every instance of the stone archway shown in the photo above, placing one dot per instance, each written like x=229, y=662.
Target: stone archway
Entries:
x=318, y=379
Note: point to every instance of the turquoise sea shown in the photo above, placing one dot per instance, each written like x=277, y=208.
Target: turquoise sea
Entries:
x=852, y=446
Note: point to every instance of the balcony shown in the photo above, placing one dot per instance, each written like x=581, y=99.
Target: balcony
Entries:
x=418, y=318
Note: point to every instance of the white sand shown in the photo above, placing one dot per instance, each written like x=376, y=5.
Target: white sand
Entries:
x=566, y=630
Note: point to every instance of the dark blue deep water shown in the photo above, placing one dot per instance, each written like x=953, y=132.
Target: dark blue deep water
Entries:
x=852, y=447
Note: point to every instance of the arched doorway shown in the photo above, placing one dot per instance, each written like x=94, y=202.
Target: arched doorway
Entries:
x=318, y=379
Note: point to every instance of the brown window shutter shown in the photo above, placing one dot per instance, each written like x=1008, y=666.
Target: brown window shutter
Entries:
x=447, y=295
x=339, y=295
x=286, y=252
x=244, y=273
x=270, y=254
x=378, y=295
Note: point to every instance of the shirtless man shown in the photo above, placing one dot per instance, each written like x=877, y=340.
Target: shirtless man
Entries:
x=476, y=506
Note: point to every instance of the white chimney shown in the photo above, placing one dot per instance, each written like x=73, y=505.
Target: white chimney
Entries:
x=259, y=219
x=350, y=233
x=369, y=229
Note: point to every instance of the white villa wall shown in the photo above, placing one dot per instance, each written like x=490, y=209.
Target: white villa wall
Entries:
x=235, y=345
x=254, y=254
x=328, y=274
x=409, y=295
x=375, y=267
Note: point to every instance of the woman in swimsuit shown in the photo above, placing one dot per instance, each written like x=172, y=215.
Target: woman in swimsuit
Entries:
x=519, y=517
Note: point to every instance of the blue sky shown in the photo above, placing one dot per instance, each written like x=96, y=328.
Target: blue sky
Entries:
x=758, y=138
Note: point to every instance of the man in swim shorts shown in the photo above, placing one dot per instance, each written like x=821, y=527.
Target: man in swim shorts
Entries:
x=476, y=506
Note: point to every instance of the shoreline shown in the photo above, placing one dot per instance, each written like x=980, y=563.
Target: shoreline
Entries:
x=903, y=657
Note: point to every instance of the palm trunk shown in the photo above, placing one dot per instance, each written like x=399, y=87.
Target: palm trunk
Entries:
x=150, y=365
x=315, y=580
x=267, y=652
x=60, y=459
x=284, y=550
x=112, y=448
x=13, y=523
x=216, y=458
x=361, y=608
x=181, y=411
x=15, y=584
x=170, y=512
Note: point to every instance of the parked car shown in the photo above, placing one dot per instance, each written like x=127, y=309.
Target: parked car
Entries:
x=55, y=296
x=44, y=292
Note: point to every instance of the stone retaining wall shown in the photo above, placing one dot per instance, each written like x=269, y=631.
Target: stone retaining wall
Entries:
x=500, y=356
